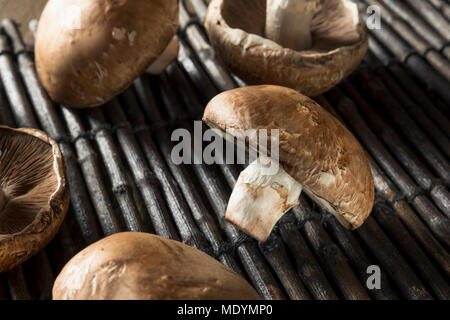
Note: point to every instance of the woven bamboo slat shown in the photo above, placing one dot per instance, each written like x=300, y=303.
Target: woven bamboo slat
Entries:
x=439, y=62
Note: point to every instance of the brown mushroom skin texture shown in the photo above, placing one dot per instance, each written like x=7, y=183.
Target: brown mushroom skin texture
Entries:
x=86, y=62
x=142, y=266
x=236, y=31
x=18, y=247
x=315, y=148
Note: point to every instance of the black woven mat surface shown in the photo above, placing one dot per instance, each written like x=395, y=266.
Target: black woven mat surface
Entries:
x=122, y=178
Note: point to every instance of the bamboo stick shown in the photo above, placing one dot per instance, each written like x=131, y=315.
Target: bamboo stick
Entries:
x=196, y=7
x=420, y=26
x=62, y=248
x=439, y=62
x=183, y=179
x=379, y=92
x=390, y=193
x=15, y=92
x=423, y=236
x=392, y=261
x=388, y=220
x=157, y=176
x=441, y=196
x=90, y=167
x=432, y=16
x=275, y=252
x=17, y=283
x=434, y=219
x=203, y=49
x=374, y=145
x=41, y=283
x=359, y=260
x=307, y=266
x=330, y=256
x=187, y=93
x=412, y=61
x=442, y=6
x=411, y=108
x=116, y=173
x=410, y=85
x=349, y=111
x=204, y=86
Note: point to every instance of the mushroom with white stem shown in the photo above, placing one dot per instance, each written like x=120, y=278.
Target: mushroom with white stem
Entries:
x=88, y=51
x=317, y=154
x=307, y=45
x=34, y=194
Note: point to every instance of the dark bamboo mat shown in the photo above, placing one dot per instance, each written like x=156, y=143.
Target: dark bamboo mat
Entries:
x=121, y=175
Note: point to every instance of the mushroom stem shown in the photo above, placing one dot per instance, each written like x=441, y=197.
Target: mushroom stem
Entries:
x=166, y=58
x=288, y=22
x=260, y=198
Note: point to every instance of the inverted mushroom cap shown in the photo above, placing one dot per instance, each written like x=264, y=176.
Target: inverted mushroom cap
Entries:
x=88, y=51
x=34, y=195
x=314, y=147
x=141, y=266
x=236, y=29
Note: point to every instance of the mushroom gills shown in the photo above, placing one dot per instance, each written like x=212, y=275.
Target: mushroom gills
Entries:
x=259, y=199
x=26, y=180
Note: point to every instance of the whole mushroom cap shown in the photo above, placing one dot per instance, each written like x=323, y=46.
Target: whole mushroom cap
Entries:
x=314, y=147
x=141, y=266
x=34, y=195
x=236, y=29
x=88, y=51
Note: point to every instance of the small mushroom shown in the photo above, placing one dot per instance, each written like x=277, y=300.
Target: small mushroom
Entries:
x=307, y=45
x=142, y=266
x=34, y=195
x=88, y=51
x=316, y=154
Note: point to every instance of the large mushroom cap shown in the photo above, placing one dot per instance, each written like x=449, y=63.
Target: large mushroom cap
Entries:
x=141, y=266
x=88, y=51
x=236, y=29
x=314, y=147
x=34, y=195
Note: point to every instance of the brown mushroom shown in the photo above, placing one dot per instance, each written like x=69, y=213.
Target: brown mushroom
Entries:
x=307, y=45
x=166, y=58
x=34, y=195
x=316, y=154
x=88, y=51
x=142, y=266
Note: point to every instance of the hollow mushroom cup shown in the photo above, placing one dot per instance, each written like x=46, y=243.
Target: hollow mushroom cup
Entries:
x=315, y=154
x=142, y=266
x=88, y=51
x=307, y=45
x=34, y=195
